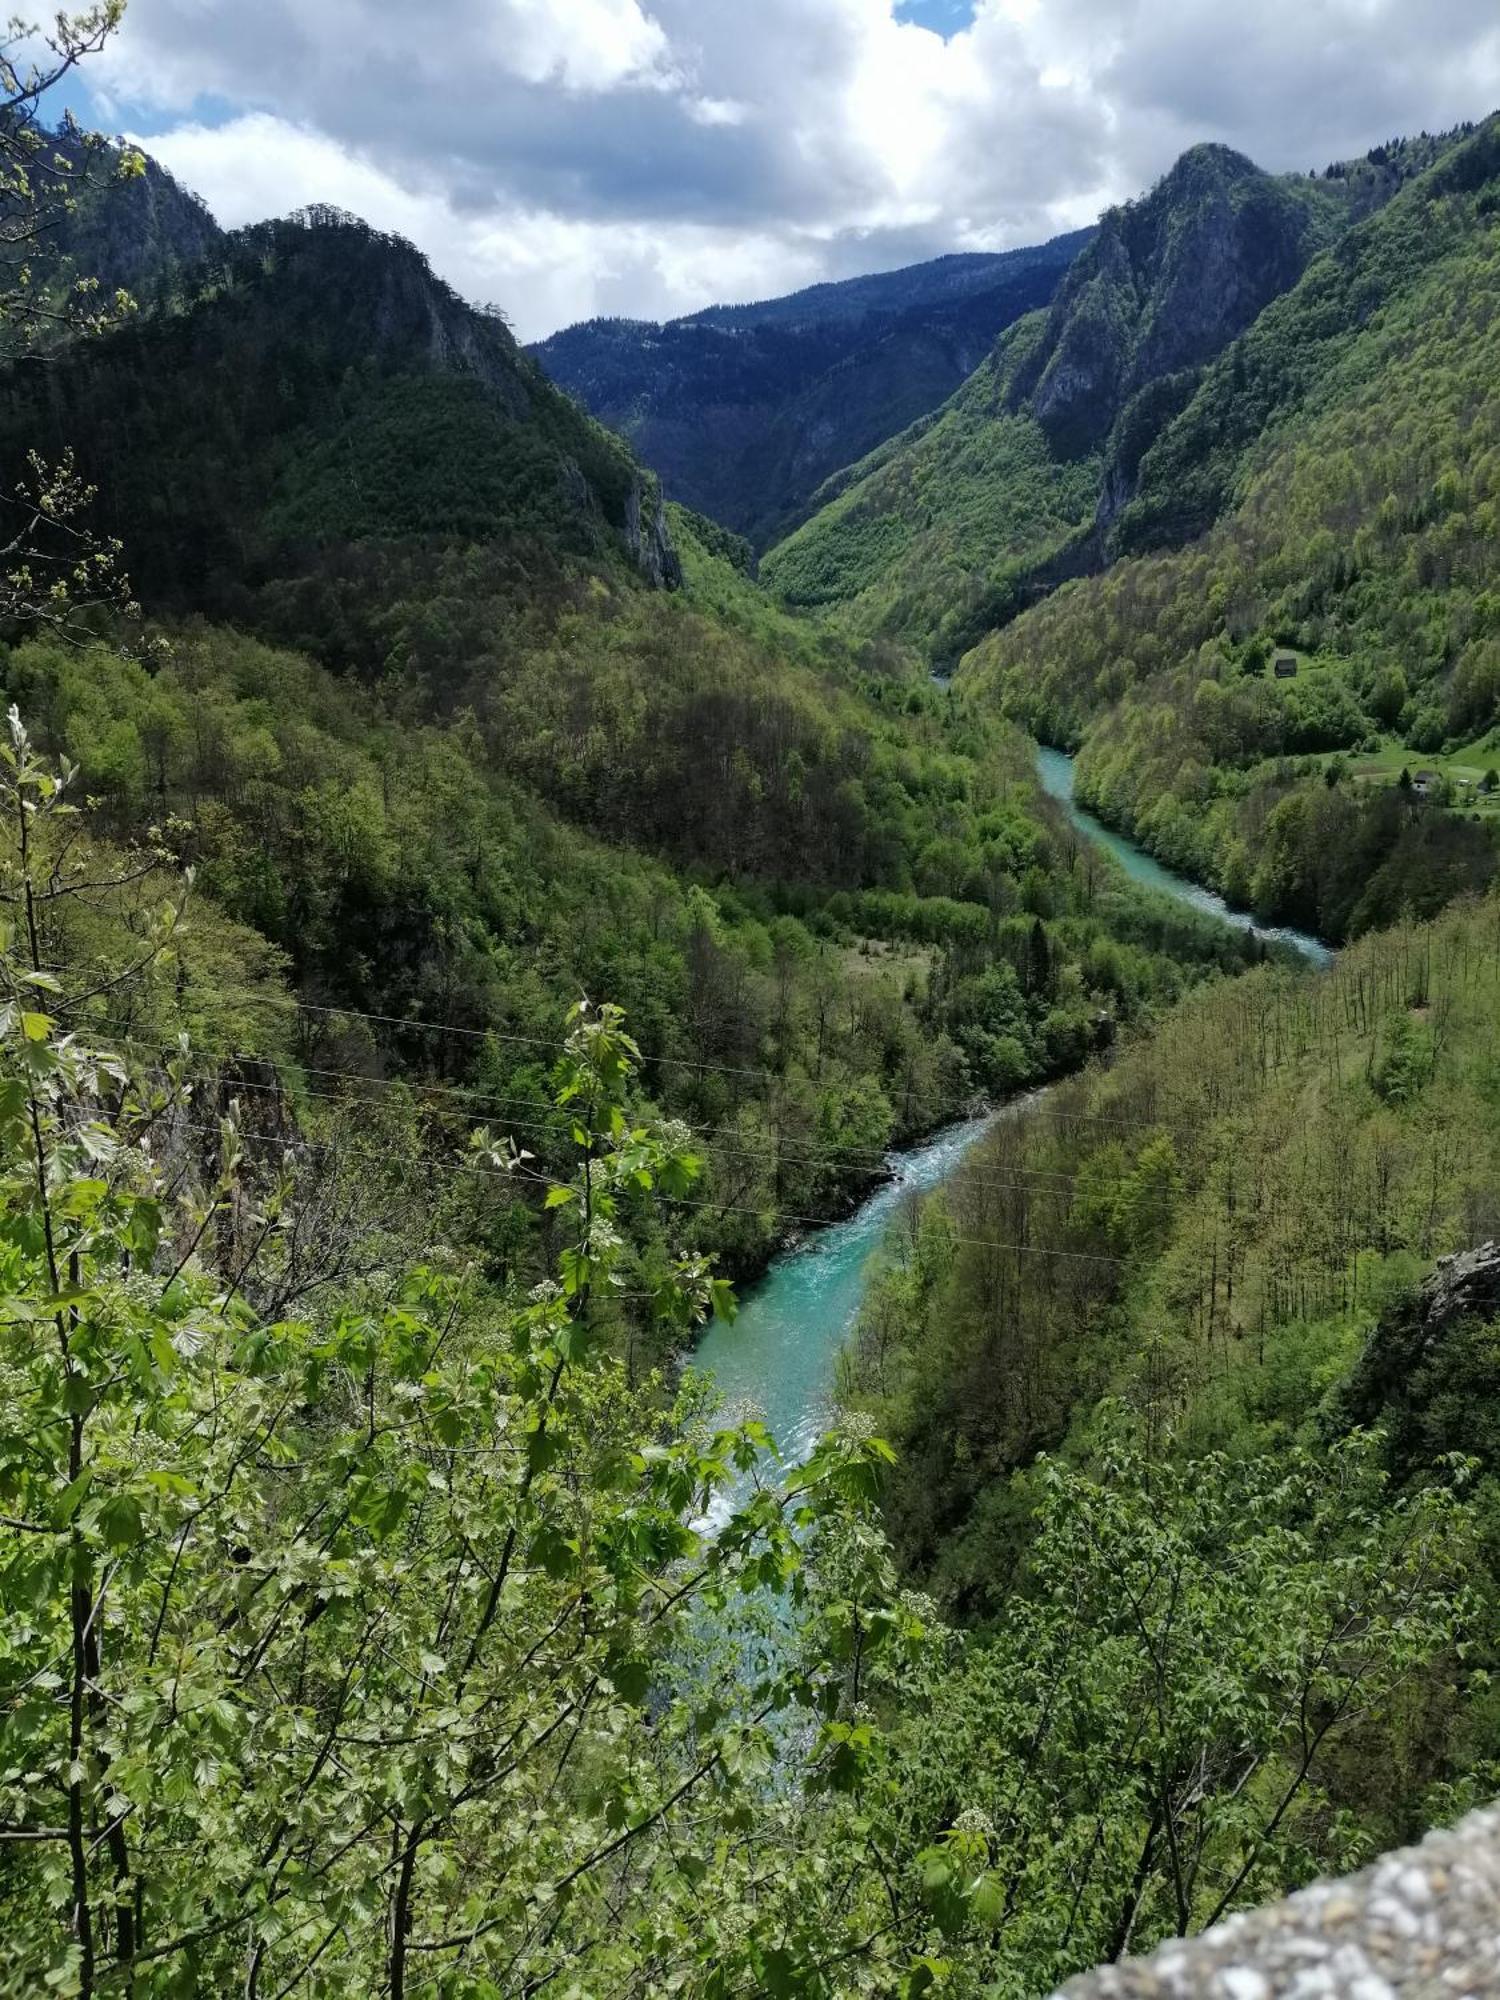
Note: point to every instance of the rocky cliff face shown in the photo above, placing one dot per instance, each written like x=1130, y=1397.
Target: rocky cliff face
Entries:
x=1166, y=284
x=135, y=235
x=646, y=535
x=1430, y=1372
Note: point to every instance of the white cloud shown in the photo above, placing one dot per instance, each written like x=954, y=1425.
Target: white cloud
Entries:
x=569, y=156
x=586, y=45
x=715, y=111
x=545, y=270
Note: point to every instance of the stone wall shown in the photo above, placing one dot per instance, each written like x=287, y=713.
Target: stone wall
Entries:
x=1423, y=1924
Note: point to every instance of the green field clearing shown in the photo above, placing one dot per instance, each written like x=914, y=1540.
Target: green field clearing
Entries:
x=1463, y=768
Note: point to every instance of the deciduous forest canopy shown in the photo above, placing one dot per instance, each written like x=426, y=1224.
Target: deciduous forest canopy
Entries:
x=483, y=872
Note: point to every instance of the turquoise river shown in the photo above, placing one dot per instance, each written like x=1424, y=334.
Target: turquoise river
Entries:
x=780, y=1355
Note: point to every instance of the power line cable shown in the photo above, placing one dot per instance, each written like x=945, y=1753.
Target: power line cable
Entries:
x=1046, y=1182
x=456, y=1167
x=1036, y=1098
x=821, y=1223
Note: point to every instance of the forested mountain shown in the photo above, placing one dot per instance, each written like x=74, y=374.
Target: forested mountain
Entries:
x=830, y=902
x=1166, y=282
x=1015, y=482
x=316, y=386
x=746, y=410
x=1200, y=1271
x=1248, y=703
x=878, y=296
x=1188, y=1277
x=834, y=909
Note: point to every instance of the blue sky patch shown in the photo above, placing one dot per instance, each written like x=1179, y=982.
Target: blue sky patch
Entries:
x=142, y=119
x=944, y=17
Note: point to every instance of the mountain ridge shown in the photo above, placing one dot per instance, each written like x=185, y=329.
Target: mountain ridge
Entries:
x=1305, y=604
x=907, y=542
x=140, y=233
x=746, y=409
x=315, y=380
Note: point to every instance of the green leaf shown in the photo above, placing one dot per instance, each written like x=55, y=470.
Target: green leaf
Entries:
x=726, y=1305
x=574, y=1340
x=630, y=1676
x=554, y=1552
x=380, y=1509
x=923, y=1974
x=70, y=1295
x=120, y=1521
x=575, y=1266
x=542, y=1449
x=989, y=1898
x=72, y=1497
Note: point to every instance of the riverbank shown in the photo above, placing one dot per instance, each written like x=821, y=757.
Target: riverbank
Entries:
x=1057, y=773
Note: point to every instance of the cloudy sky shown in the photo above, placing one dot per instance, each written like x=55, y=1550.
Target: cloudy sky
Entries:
x=569, y=157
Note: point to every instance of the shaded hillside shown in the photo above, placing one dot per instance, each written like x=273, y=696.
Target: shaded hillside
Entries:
x=1352, y=439
x=832, y=906
x=317, y=385
x=927, y=539
x=1078, y=396
x=745, y=410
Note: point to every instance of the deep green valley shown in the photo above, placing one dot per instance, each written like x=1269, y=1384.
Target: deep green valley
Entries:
x=749, y=1090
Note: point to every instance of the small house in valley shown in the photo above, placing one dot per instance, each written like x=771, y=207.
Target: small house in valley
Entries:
x=1286, y=666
